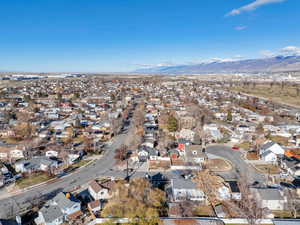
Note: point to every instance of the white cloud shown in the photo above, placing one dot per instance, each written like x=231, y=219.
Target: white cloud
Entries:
x=286, y=51
x=267, y=53
x=167, y=63
x=290, y=51
x=240, y=28
x=252, y=6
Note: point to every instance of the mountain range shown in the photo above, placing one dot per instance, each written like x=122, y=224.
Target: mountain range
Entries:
x=265, y=65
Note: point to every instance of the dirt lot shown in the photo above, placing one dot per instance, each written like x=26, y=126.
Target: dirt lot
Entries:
x=218, y=165
x=269, y=169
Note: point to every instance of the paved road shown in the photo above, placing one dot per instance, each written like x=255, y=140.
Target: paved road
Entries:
x=101, y=167
x=240, y=167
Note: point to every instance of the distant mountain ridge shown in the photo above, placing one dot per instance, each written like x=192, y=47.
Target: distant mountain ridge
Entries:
x=273, y=64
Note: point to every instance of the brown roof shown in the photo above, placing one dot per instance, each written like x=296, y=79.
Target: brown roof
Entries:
x=95, y=186
x=75, y=215
x=94, y=204
x=108, y=184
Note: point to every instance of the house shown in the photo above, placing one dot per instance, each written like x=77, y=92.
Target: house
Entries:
x=235, y=190
x=182, y=143
x=273, y=147
x=186, y=134
x=291, y=165
x=50, y=215
x=145, y=153
x=269, y=156
x=184, y=189
x=16, y=154
x=223, y=193
x=195, y=154
x=36, y=164
x=62, y=208
x=270, y=198
x=95, y=206
x=270, y=151
x=174, y=153
x=100, y=191
x=51, y=153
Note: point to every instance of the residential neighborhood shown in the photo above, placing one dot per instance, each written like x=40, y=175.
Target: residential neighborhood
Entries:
x=71, y=148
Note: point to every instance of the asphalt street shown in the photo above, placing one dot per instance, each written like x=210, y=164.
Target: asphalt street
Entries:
x=240, y=167
x=101, y=167
x=104, y=167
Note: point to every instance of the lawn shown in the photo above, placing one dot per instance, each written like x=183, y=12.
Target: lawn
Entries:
x=80, y=163
x=32, y=180
x=270, y=169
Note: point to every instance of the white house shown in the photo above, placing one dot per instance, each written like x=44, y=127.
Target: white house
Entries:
x=36, y=164
x=223, y=193
x=273, y=147
x=270, y=150
x=99, y=191
x=184, y=189
x=272, y=199
x=3, y=155
x=51, y=153
x=269, y=156
x=16, y=154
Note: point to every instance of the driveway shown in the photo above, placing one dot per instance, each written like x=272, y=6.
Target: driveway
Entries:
x=240, y=167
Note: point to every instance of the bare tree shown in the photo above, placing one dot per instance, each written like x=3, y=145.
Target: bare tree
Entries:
x=249, y=204
x=293, y=203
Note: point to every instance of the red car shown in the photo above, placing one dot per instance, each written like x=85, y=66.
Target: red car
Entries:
x=235, y=148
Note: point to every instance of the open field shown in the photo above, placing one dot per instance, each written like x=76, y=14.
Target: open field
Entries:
x=286, y=95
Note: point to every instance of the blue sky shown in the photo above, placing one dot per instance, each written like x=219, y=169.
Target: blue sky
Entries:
x=123, y=35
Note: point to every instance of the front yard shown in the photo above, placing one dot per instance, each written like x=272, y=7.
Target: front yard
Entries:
x=33, y=179
x=80, y=164
x=205, y=210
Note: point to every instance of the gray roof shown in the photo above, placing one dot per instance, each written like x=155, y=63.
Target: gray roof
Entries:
x=267, y=145
x=36, y=162
x=63, y=202
x=267, y=153
x=270, y=194
x=183, y=184
x=51, y=213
